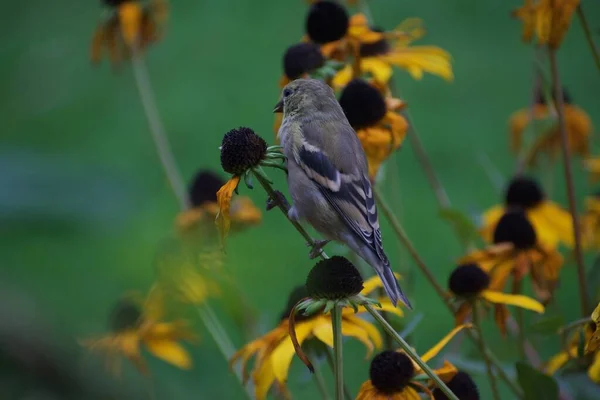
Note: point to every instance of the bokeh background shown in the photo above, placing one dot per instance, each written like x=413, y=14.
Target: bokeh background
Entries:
x=84, y=204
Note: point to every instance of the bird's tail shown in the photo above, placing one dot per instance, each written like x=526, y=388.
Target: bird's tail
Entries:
x=391, y=285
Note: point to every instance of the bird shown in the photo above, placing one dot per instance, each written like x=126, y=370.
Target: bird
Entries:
x=328, y=176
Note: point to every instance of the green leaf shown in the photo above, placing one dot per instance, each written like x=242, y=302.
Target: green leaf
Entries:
x=535, y=384
x=547, y=325
x=465, y=228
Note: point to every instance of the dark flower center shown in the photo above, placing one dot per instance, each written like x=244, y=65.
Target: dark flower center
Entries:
x=204, y=187
x=523, y=192
x=362, y=103
x=241, y=149
x=541, y=99
x=468, y=280
x=333, y=279
x=297, y=294
x=376, y=48
x=462, y=385
x=126, y=314
x=302, y=58
x=327, y=21
x=514, y=227
x=391, y=371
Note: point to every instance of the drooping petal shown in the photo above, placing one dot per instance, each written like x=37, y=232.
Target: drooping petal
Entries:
x=446, y=372
x=370, y=329
x=387, y=306
x=513, y=299
x=130, y=18
x=461, y=314
x=594, y=369
x=442, y=343
x=263, y=378
x=500, y=316
x=419, y=59
x=224, y=195
x=170, y=352
x=557, y=362
x=281, y=357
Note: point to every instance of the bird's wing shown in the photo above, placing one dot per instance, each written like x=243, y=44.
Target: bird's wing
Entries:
x=350, y=194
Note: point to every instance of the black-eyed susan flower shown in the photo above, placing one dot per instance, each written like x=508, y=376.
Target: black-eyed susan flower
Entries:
x=202, y=194
x=469, y=283
x=547, y=141
x=131, y=25
x=462, y=385
x=574, y=357
x=547, y=20
x=379, y=127
x=274, y=351
x=243, y=153
x=377, y=57
x=517, y=252
x=395, y=376
x=136, y=323
x=551, y=222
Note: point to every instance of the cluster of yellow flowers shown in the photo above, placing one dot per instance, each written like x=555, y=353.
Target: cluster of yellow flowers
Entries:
x=358, y=60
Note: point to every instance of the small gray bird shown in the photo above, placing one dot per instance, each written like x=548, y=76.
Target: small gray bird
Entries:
x=328, y=176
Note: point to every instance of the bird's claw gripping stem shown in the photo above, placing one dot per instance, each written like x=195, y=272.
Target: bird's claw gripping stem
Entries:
x=277, y=199
x=317, y=248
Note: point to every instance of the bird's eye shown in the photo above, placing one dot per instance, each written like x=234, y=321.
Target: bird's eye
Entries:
x=287, y=92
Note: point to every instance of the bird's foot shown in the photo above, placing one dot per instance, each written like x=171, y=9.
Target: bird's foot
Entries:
x=277, y=199
x=317, y=248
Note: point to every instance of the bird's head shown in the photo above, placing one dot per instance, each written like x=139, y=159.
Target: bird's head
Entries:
x=305, y=95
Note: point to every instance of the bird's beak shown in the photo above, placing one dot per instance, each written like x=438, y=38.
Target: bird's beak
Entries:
x=278, y=107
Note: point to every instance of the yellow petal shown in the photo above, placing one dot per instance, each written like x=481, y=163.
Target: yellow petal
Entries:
x=552, y=223
x=490, y=219
x=387, y=306
x=263, y=379
x=130, y=18
x=224, y=200
x=324, y=332
x=593, y=343
x=409, y=393
x=170, y=352
x=367, y=391
x=440, y=345
x=368, y=327
x=281, y=358
x=556, y=362
x=358, y=332
x=513, y=300
x=594, y=369
x=379, y=69
x=373, y=283
x=342, y=77
x=446, y=372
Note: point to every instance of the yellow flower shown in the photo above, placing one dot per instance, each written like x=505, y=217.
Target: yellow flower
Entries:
x=274, y=351
x=552, y=223
x=393, y=49
x=549, y=20
x=578, y=128
x=589, y=361
x=204, y=205
x=392, y=374
x=517, y=252
x=379, y=127
x=470, y=283
x=593, y=343
x=134, y=325
x=131, y=25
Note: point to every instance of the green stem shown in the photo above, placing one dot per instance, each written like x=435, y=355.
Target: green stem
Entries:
x=284, y=209
x=338, y=365
x=517, y=289
x=564, y=141
x=411, y=353
x=331, y=362
x=588, y=35
x=318, y=377
x=482, y=350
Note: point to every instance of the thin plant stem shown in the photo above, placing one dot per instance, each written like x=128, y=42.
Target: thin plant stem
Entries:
x=338, y=365
x=517, y=289
x=572, y=325
x=411, y=353
x=330, y=361
x=482, y=350
x=436, y=185
x=157, y=130
x=588, y=35
x=217, y=324
x=285, y=209
x=564, y=141
x=319, y=378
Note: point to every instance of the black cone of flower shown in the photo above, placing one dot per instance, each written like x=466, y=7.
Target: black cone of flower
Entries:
x=241, y=149
x=462, y=385
x=302, y=58
x=362, y=103
x=204, y=187
x=391, y=371
x=327, y=21
x=126, y=314
x=523, y=192
x=377, y=48
x=334, y=279
x=515, y=228
x=468, y=280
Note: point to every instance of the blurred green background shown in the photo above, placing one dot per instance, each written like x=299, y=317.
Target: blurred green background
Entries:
x=84, y=203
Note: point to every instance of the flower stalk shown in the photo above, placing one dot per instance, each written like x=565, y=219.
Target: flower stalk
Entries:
x=588, y=35
x=564, y=141
x=338, y=365
x=411, y=353
x=482, y=350
x=319, y=379
x=517, y=289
